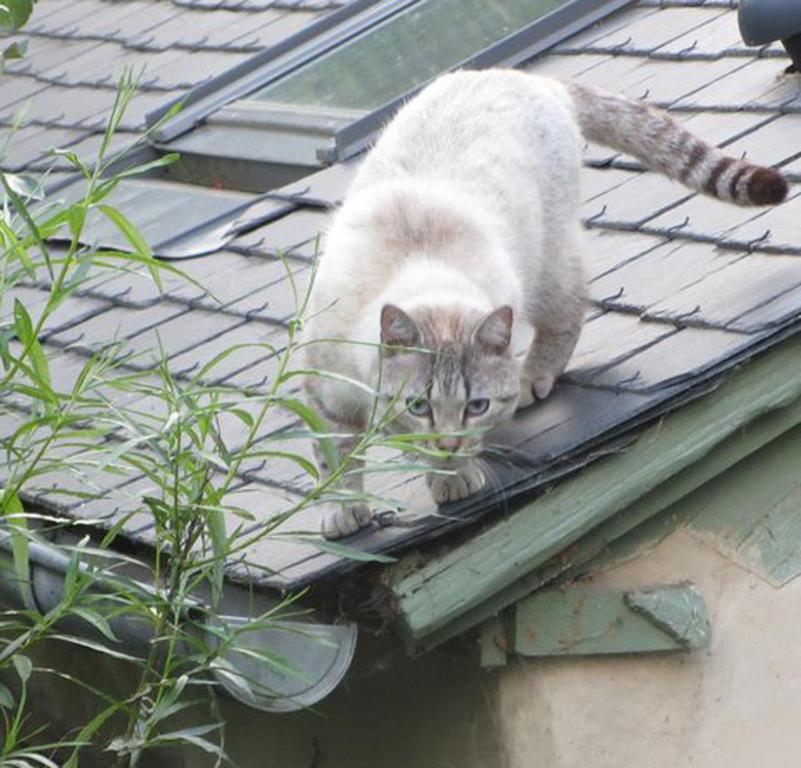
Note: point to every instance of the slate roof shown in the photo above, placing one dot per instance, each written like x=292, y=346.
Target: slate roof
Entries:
x=78, y=49
x=683, y=288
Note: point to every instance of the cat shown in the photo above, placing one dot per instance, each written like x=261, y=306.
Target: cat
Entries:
x=459, y=235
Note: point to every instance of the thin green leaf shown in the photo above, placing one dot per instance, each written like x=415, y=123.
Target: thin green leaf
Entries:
x=6, y=698
x=16, y=50
x=99, y=622
x=15, y=514
x=22, y=210
x=340, y=550
x=215, y=521
x=23, y=665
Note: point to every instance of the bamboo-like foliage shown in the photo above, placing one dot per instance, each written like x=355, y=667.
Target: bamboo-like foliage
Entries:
x=82, y=429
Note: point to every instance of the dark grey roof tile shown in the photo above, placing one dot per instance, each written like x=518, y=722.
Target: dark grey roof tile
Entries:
x=29, y=146
x=759, y=84
x=182, y=69
x=69, y=312
x=276, y=469
x=177, y=334
x=673, y=359
x=242, y=31
x=117, y=324
x=274, y=542
x=564, y=67
x=703, y=217
x=245, y=348
x=637, y=200
x=610, y=338
x=724, y=296
x=596, y=182
x=152, y=206
x=15, y=91
x=97, y=64
x=32, y=298
x=778, y=311
x=46, y=54
x=74, y=107
x=722, y=129
x=776, y=228
x=280, y=302
x=66, y=19
x=325, y=188
x=185, y=28
x=649, y=30
x=606, y=29
x=768, y=145
x=663, y=271
x=606, y=250
x=274, y=31
x=716, y=38
x=661, y=82
x=124, y=502
x=146, y=17
x=573, y=416
x=242, y=290
x=286, y=234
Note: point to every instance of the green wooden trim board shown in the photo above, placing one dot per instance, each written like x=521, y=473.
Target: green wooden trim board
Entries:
x=479, y=578
x=585, y=620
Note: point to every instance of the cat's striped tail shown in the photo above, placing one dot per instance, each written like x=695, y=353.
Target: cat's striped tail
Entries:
x=664, y=145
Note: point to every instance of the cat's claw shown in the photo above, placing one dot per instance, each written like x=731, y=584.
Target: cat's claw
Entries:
x=465, y=481
x=345, y=521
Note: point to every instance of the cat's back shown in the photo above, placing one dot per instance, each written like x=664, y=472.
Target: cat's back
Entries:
x=489, y=121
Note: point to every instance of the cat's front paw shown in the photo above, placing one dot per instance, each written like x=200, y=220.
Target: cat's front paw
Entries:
x=466, y=480
x=342, y=521
x=536, y=388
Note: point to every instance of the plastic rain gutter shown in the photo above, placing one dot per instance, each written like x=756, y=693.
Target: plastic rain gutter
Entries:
x=321, y=653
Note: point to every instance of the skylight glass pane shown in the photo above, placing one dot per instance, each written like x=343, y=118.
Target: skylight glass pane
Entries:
x=406, y=50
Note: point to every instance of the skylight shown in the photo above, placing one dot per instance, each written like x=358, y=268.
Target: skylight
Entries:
x=403, y=52
x=322, y=95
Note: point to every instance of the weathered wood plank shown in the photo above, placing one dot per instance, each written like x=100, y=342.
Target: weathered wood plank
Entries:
x=615, y=534
x=584, y=620
x=753, y=515
x=494, y=643
x=451, y=585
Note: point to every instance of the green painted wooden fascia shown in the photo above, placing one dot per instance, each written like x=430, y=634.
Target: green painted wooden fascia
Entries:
x=485, y=574
x=637, y=524
x=583, y=620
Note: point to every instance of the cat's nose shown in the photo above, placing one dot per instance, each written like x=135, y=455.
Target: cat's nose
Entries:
x=449, y=443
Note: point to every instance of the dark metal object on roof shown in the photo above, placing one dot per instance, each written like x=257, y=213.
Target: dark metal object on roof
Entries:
x=765, y=21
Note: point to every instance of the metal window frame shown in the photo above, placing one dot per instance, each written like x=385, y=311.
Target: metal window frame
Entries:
x=510, y=51
x=296, y=50
x=224, y=105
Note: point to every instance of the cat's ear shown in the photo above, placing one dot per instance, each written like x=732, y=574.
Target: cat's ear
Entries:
x=494, y=334
x=397, y=328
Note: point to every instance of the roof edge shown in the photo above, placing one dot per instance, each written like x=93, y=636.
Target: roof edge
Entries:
x=456, y=591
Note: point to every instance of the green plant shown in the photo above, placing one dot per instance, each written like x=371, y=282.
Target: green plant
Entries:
x=80, y=429
x=13, y=15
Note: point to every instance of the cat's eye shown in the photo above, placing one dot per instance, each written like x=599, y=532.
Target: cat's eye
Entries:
x=418, y=406
x=477, y=407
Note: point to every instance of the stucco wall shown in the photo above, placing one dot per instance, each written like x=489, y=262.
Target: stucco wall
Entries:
x=735, y=705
